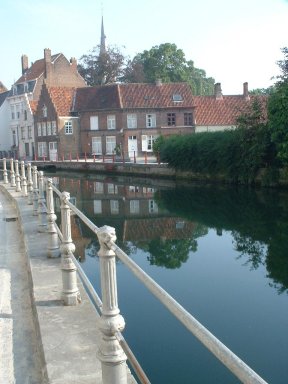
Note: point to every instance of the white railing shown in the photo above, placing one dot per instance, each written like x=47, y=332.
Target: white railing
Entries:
x=113, y=345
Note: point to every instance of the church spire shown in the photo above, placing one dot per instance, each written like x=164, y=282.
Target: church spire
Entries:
x=103, y=37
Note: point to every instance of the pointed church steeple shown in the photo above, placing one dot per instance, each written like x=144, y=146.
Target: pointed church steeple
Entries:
x=103, y=37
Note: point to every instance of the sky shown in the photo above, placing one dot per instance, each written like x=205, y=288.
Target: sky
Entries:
x=233, y=41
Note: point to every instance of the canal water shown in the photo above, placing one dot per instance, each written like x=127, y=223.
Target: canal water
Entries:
x=221, y=252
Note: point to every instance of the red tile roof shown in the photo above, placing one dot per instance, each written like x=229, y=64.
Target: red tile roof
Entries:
x=99, y=97
x=36, y=69
x=211, y=111
x=155, y=96
x=116, y=96
x=62, y=98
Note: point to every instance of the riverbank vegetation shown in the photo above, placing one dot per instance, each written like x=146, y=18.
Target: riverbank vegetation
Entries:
x=255, y=151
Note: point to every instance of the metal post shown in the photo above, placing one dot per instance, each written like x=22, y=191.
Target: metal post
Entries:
x=42, y=223
x=13, y=184
x=53, y=244
x=35, y=191
x=30, y=184
x=70, y=292
x=17, y=176
x=5, y=173
x=111, y=355
x=23, y=178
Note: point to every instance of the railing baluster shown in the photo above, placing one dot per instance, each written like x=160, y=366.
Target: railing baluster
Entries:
x=35, y=191
x=42, y=224
x=70, y=291
x=13, y=184
x=111, y=355
x=23, y=179
x=17, y=176
x=53, y=245
x=5, y=173
x=30, y=184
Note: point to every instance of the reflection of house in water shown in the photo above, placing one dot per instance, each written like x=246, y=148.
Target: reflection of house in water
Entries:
x=79, y=240
x=155, y=228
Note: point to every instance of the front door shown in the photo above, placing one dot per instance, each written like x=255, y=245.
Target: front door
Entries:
x=132, y=146
x=53, y=151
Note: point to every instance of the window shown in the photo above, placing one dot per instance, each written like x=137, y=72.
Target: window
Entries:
x=94, y=123
x=14, y=90
x=12, y=112
x=29, y=132
x=49, y=131
x=134, y=206
x=151, y=120
x=153, y=207
x=110, y=144
x=14, y=138
x=114, y=207
x=112, y=189
x=188, y=119
x=25, y=87
x=171, y=119
x=54, y=128
x=111, y=122
x=42, y=149
x=97, y=206
x=96, y=146
x=98, y=187
x=147, y=142
x=177, y=97
x=23, y=133
x=39, y=129
x=132, y=120
x=68, y=128
x=44, y=131
x=25, y=114
x=18, y=111
x=44, y=110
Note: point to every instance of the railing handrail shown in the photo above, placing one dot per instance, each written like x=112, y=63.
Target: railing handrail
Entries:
x=237, y=366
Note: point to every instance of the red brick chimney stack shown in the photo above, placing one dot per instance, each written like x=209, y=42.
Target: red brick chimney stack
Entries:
x=245, y=91
x=73, y=63
x=48, y=63
x=218, y=91
x=24, y=63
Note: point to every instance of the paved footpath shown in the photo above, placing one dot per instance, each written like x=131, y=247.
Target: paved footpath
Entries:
x=19, y=358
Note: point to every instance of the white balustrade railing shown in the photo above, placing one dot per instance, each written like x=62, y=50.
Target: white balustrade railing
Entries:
x=113, y=350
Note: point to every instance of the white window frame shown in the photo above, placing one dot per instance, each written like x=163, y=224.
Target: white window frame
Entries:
x=131, y=120
x=23, y=133
x=111, y=122
x=54, y=128
x=44, y=130
x=49, y=130
x=147, y=142
x=134, y=206
x=110, y=144
x=68, y=127
x=114, y=207
x=150, y=120
x=29, y=132
x=153, y=207
x=97, y=205
x=42, y=149
x=39, y=129
x=99, y=187
x=112, y=189
x=96, y=145
x=94, y=123
x=44, y=110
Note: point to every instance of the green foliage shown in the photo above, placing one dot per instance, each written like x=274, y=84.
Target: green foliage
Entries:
x=168, y=63
x=278, y=111
x=236, y=154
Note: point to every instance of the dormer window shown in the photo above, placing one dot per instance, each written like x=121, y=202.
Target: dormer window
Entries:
x=177, y=97
x=26, y=87
x=44, y=110
x=14, y=90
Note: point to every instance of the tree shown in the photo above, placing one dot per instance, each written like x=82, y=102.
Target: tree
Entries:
x=102, y=67
x=168, y=63
x=278, y=111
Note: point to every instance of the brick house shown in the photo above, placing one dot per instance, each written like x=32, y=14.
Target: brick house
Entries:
x=56, y=129
x=53, y=70
x=129, y=117
x=219, y=112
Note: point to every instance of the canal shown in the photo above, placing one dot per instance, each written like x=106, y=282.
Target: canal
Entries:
x=221, y=252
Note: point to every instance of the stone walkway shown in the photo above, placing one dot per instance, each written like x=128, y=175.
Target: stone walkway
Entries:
x=19, y=359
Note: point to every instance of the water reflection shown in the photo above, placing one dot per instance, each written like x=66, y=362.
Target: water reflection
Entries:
x=166, y=221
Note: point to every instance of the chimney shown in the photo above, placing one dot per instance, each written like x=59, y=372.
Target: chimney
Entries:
x=245, y=91
x=158, y=82
x=218, y=91
x=73, y=63
x=47, y=60
x=24, y=63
